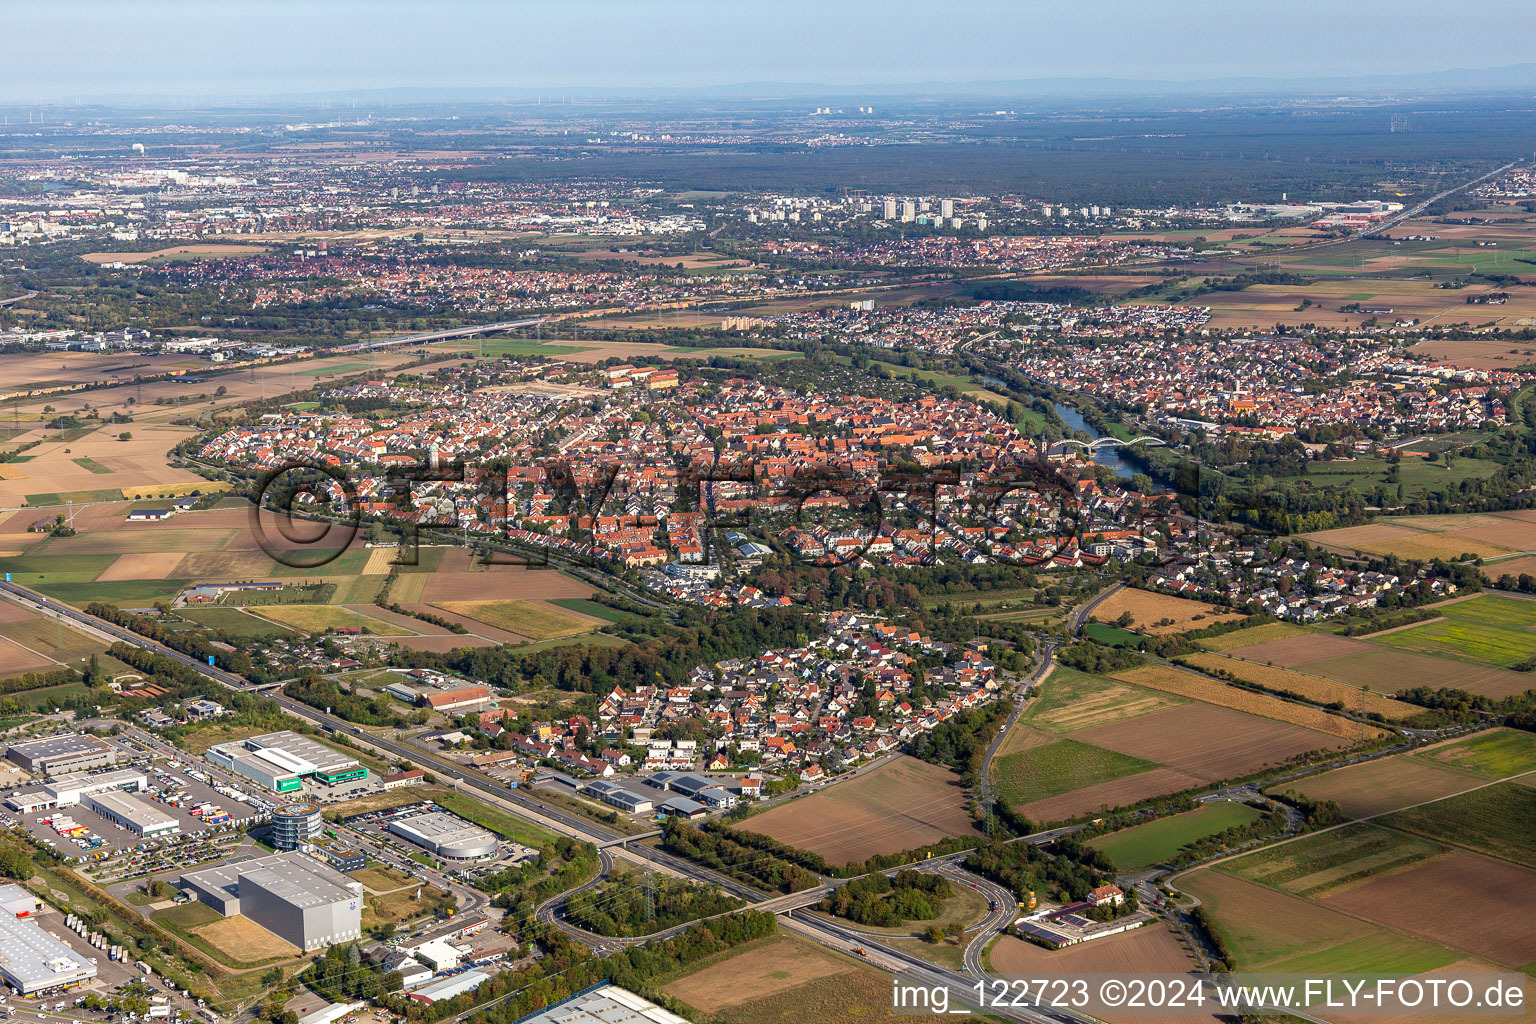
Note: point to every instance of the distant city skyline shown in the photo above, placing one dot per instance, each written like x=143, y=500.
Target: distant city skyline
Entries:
x=182, y=48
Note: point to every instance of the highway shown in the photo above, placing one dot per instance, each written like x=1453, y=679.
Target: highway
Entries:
x=961, y=985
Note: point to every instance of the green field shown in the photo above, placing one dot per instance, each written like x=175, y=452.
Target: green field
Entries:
x=1067, y=690
x=1143, y=846
x=483, y=814
x=594, y=609
x=1497, y=755
x=90, y=465
x=533, y=619
x=1114, y=636
x=123, y=593
x=1060, y=767
x=317, y=618
x=1315, y=864
x=1384, y=952
x=78, y=497
x=29, y=570
x=1416, y=475
x=1498, y=820
x=1473, y=641
x=235, y=621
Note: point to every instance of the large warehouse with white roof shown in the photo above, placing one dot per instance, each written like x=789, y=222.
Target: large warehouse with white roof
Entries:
x=32, y=960
x=291, y=895
x=281, y=761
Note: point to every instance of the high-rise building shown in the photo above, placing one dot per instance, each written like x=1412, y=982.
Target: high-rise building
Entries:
x=890, y=209
x=947, y=207
x=295, y=824
x=981, y=223
x=908, y=211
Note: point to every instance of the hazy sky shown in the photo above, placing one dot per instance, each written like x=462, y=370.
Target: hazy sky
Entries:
x=62, y=48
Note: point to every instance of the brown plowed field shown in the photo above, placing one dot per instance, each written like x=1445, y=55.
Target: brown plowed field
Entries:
x=1150, y=949
x=16, y=659
x=1115, y=793
x=1206, y=741
x=901, y=805
x=1460, y=968
x=1478, y=904
x=1190, y=684
x=1291, y=651
x=475, y=626
x=502, y=583
x=1386, y=784
x=1389, y=670
x=156, y=565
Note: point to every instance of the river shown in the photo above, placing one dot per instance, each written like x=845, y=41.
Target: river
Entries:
x=1107, y=456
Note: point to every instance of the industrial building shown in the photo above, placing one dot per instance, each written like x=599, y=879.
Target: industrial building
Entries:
x=295, y=825
x=71, y=788
x=455, y=985
x=604, y=1004
x=293, y=896
x=281, y=761
x=692, y=787
x=65, y=752
x=133, y=814
x=446, y=836
x=33, y=961
x=616, y=795
x=340, y=856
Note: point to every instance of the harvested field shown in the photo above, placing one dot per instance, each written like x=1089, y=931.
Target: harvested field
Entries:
x=1251, y=636
x=174, y=251
x=1383, y=785
x=380, y=560
x=533, y=619
x=18, y=660
x=475, y=626
x=901, y=805
x=780, y=962
x=244, y=941
x=1117, y=793
x=1445, y=535
x=317, y=618
x=1069, y=699
x=1208, y=742
x=1161, y=614
x=1387, y=670
x=154, y=565
x=501, y=583
x=1188, y=684
x=1313, y=688
x=1263, y=925
x=1459, y=968
x=441, y=644
x=221, y=566
x=1291, y=651
x=1150, y=949
x=1474, y=903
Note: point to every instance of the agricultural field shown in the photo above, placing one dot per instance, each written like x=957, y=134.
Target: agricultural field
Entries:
x=535, y=620
x=1492, y=630
x=1150, y=949
x=1160, y=614
x=1313, y=688
x=1229, y=745
x=235, y=621
x=901, y=805
x=1060, y=767
x=320, y=618
x=1486, y=535
x=98, y=466
x=1383, y=785
x=788, y=979
x=1143, y=846
x=1253, y=635
x=1496, y=754
x=1188, y=684
x=1316, y=864
x=1499, y=820
x=1068, y=700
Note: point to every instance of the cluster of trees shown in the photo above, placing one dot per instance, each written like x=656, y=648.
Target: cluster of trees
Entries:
x=885, y=902
x=342, y=974
x=718, y=848
x=194, y=644
x=1098, y=659
x=623, y=906
x=319, y=692
x=560, y=866
x=1072, y=873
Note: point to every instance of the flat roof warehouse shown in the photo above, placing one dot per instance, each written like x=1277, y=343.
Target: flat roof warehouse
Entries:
x=33, y=960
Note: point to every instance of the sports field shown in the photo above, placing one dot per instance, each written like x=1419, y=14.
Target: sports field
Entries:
x=1141, y=847
x=901, y=805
